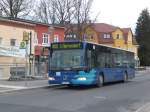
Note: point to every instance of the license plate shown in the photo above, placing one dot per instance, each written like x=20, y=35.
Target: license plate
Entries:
x=65, y=83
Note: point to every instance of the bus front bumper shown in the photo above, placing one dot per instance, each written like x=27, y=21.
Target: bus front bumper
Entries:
x=72, y=82
x=77, y=81
x=82, y=82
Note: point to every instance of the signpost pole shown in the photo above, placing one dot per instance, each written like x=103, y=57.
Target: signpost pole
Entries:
x=26, y=63
x=26, y=39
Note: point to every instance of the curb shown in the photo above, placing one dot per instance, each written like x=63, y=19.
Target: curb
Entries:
x=30, y=88
x=8, y=91
x=47, y=86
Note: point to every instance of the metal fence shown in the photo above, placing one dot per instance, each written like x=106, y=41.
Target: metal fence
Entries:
x=18, y=71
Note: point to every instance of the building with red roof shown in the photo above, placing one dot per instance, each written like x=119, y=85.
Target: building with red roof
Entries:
x=110, y=35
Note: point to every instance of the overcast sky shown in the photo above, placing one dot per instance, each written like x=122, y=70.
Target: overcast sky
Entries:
x=122, y=13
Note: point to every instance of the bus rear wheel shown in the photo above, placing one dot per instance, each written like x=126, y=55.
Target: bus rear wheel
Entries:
x=100, y=81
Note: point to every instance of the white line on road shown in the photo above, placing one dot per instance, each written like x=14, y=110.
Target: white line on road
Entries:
x=142, y=108
x=14, y=87
x=100, y=97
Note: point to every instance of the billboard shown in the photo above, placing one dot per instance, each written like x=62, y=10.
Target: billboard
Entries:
x=12, y=51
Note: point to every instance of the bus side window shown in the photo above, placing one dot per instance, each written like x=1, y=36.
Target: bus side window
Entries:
x=101, y=60
x=118, y=60
x=108, y=61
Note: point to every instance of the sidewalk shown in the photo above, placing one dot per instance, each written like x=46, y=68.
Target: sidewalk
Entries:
x=6, y=86
x=142, y=72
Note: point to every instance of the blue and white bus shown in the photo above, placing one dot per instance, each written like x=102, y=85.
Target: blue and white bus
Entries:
x=85, y=63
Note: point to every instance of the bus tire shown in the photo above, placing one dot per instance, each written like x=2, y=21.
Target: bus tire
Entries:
x=100, y=81
x=125, y=77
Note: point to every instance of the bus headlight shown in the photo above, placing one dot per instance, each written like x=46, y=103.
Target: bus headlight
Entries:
x=51, y=78
x=82, y=78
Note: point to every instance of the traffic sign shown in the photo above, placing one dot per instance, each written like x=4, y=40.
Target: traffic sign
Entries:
x=22, y=45
x=25, y=36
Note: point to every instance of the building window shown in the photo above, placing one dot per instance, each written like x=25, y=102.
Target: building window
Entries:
x=74, y=36
x=56, y=38
x=1, y=40
x=118, y=36
x=45, y=39
x=91, y=36
x=106, y=35
x=66, y=36
x=13, y=42
x=70, y=36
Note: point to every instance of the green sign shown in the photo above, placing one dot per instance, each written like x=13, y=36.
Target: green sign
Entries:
x=22, y=45
x=67, y=46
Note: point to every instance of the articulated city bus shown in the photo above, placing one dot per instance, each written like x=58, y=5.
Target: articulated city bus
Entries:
x=86, y=63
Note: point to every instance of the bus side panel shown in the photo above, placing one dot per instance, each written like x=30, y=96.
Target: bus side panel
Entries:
x=113, y=74
x=108, y=73
x=131, y=73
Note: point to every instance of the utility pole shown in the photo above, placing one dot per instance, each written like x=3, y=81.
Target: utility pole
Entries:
x=30, y=55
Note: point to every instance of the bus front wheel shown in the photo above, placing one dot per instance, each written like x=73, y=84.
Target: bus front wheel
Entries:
x=100, y=81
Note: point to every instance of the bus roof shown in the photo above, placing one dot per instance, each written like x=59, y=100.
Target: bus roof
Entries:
x=107, y=46
x=94, y=44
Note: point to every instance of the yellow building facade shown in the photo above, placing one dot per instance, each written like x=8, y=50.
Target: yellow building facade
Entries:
x=118, y=38
x=90, y=35
x=112, y=36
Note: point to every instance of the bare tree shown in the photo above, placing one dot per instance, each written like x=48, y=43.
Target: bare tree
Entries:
x=64, y=10
x=41, y=11
x=45, y=11
x=16, y=8
x=82, y=15
x=55, y=11
x=71, y=13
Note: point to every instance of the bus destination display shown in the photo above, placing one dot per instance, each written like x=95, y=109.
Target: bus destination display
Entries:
x=67, y=46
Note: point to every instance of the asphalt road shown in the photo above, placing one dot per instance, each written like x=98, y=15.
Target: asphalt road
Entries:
x=117, y=97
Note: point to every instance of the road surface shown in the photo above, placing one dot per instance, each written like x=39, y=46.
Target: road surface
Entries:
x=133, y=96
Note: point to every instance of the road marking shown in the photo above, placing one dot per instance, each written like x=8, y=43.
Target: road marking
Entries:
x=142, y=107
x=14, y=87
x=100, y=97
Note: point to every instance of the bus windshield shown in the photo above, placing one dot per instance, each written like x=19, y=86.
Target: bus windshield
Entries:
x=63, y=59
